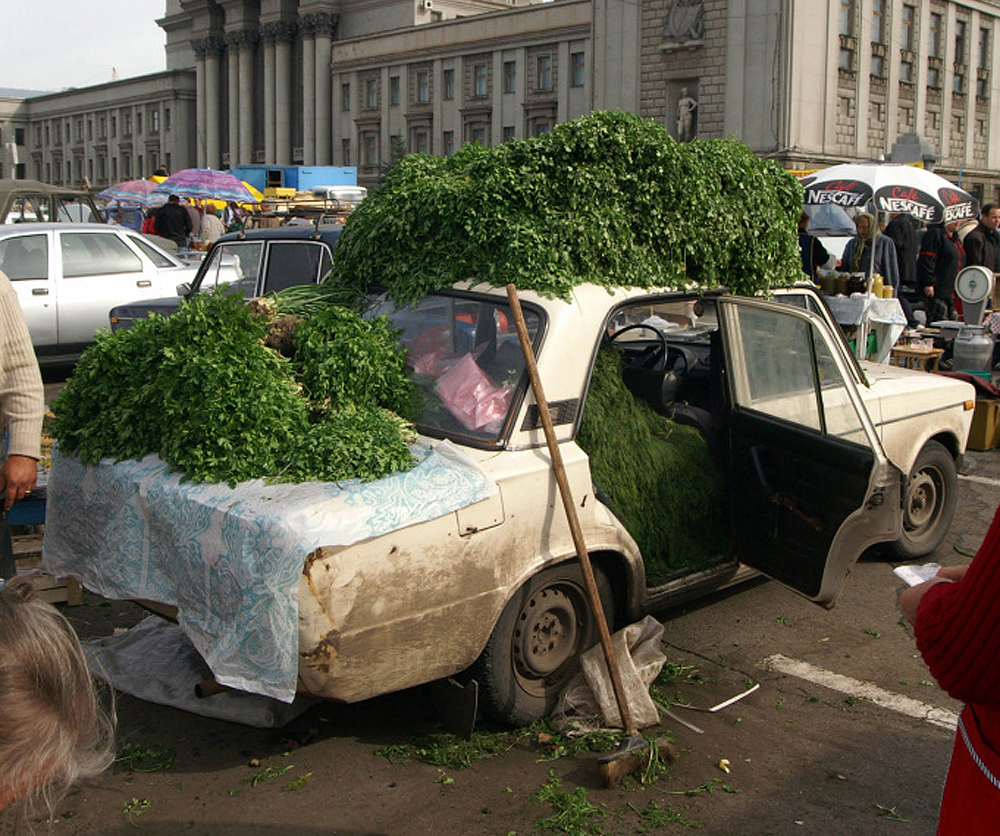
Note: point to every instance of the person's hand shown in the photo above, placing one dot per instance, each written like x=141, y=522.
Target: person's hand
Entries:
x=953, y=573
x=17, y=478
x=929, y=290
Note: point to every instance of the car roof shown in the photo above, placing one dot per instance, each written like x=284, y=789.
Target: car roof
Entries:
x=37, y=187
x=327, y=233
x=69, y=226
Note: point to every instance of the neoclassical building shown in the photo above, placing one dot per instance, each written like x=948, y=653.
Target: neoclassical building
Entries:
x=351, y=82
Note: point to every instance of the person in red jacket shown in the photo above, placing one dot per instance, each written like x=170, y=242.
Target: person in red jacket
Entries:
x=956, y=620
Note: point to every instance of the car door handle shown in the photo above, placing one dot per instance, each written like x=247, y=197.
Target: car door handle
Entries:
x=144, y=283
x=39, y=291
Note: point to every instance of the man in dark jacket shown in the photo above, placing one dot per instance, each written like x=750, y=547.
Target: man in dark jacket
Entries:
x=981, y=244
x=173, y=222
x=903, y=232
x=941, y=257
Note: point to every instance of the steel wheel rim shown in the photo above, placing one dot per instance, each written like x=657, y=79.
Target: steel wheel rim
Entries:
x=547, y=636
x=924, y=496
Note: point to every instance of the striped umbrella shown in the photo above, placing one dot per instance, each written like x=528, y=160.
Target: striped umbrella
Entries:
x=131, y=192
x=205, y=184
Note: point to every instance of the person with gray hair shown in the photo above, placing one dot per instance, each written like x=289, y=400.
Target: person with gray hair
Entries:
x=53, y=732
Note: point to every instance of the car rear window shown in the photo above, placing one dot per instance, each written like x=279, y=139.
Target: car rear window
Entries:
x=465, y=360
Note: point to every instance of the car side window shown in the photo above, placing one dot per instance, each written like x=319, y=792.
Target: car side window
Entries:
x=239, y=261
x=94, y=254
x=25, y=257
x=158, y=258
x=291, y=263
x=787, y=370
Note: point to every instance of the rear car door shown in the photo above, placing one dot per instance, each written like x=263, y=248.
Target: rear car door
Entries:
x=25, y=259
x=98, y=271
x=811, y=487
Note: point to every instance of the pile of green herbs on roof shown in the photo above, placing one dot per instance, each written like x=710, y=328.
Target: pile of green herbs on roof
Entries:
x=657, y=474
x=609, y=198
x=205, y=391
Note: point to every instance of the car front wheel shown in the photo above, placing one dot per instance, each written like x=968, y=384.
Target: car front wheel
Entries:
x=929, y=503
x=534, y=648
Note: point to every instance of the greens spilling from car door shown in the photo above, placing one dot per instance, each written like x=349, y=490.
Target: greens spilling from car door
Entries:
x=657, y=474
x=608, y=199
x=203, y=391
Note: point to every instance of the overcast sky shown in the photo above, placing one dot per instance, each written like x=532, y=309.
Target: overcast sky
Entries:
x=54, y=44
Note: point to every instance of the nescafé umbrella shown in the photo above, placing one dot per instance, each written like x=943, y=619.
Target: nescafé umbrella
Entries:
x=893, y=188
x=205, y=184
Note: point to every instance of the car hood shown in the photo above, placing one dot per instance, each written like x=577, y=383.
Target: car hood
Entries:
x=144, y=307
x=907, y=404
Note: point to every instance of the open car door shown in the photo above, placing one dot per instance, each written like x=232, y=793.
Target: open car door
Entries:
x=810, y=485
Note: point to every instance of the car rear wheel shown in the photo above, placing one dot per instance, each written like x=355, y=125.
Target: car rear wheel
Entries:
x=929, y=503
x=534, y=648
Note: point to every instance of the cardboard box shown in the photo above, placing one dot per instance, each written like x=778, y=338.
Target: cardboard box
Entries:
x=985, y=431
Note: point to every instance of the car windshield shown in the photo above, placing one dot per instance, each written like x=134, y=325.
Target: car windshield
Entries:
x=465, y=361
x=239, y=259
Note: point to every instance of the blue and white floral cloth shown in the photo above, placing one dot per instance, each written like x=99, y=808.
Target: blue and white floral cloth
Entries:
x=228, y=558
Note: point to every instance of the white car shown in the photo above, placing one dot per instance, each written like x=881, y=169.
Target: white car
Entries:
x=817, y=458
x=68, y=277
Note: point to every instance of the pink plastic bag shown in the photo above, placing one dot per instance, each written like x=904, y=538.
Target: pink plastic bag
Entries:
x=471, y=396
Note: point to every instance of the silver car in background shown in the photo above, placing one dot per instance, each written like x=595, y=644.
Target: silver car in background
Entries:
x=68, y=276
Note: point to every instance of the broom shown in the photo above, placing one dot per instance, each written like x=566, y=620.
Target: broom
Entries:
x=633, y=749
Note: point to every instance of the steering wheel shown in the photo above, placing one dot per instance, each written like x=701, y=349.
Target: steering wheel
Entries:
x=652, y=356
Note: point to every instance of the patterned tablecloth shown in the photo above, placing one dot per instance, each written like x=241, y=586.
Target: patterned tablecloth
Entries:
x=230, y=558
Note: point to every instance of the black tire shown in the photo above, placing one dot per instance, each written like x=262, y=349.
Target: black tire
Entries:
x=929, y=502
x=535, y=645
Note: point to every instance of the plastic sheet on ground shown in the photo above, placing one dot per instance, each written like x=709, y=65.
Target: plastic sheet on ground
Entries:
x=156, y=662
x=588, y=701
x=230, y=558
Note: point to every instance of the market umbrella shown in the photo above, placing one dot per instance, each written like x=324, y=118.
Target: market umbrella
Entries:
x=205, y=184
x=132, y=192
x=893, y=188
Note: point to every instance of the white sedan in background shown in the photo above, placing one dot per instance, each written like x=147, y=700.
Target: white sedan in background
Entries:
x=68, y=276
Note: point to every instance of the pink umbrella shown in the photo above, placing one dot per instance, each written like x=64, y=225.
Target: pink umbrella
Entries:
x=134, y=192
x=205, y=184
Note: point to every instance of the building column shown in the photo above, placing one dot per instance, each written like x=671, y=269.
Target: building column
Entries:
x=326, y=30
x=249, y=38
x=200, y=47
x=214, y=103
x=283, y=92
x=233, y=86
x=307, y=26
x=267, y=33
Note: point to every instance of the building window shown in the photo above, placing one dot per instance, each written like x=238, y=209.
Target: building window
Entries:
x=154, y=121
x=371, y=93
x=847, y=17
x=114, y=126
x=90, y=130
x=449, y=85
x=448, y=143
x=541, y=127
x=138, y=122
x=508, y=133
x=421, y=142
x=878, y=21
x=960, y=39
x=369, y=149
x=345, y=152
x=166, y=124
x=544, y=72
x=878, y=66
x=577, y=68
x=479, y=80
x=983, y=64
x=478, y=135
x=345, y=96
x=423, y=86
x=38, y=135
x=510, y=76
x=933, y=77
x=19, y=136
x=908, y=20
x=934, y=46
x=127, y=123
x=906, y=71
x=394, y=90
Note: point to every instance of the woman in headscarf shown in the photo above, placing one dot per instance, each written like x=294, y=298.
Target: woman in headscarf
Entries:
x=857, y=256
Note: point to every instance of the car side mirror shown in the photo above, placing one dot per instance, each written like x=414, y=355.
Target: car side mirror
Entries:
x=184, y=288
